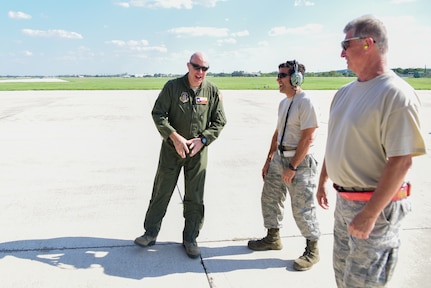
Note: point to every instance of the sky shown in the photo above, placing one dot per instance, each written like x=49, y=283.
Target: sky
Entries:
x=105, y=37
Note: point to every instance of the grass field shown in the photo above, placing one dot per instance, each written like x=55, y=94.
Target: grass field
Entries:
x=225, y=83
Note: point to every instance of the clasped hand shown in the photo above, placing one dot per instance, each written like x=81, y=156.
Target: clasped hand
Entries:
x=186, y=147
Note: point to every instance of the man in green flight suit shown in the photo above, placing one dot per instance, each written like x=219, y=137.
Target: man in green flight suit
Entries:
x=189, y=115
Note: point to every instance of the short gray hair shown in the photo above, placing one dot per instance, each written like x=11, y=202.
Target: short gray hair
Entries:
x=369, y=26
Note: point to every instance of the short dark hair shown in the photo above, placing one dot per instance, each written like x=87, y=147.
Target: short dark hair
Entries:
x=291, y=66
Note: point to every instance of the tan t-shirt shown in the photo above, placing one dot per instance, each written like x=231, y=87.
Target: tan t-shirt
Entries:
x=302, y=115
x=369, y=122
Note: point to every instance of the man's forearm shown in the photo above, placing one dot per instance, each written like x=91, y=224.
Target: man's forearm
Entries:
x=390, y=182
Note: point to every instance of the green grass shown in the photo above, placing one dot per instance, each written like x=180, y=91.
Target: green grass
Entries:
x=90, y=83
x=420, y=83
x=224, y=83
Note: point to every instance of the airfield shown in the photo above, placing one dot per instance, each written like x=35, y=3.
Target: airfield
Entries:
x=76, y=176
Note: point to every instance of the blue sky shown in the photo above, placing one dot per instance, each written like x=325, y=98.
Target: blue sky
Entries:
x=52, y=37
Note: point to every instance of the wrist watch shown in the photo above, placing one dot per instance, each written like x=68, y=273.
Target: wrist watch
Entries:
x=203, y=139
x=291, y=167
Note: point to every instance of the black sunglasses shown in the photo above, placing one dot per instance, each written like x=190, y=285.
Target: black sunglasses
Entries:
x=282, y=75
x=198, y=67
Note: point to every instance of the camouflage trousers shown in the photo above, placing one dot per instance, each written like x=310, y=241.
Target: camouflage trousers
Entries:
x=367, y=262
x=301, y=192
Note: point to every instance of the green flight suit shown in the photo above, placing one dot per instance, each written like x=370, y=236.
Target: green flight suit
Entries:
x=178, y=108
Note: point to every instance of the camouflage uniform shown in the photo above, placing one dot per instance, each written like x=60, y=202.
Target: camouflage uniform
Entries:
x=367, y=262
x=361, y=141
x=301, y=192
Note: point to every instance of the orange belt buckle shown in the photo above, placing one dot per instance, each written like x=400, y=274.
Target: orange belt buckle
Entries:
x=404, y=192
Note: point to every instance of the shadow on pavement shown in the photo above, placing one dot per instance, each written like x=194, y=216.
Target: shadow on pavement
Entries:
x=121, y=258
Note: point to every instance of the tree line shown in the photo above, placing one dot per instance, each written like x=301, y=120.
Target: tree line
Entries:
x=404, y=72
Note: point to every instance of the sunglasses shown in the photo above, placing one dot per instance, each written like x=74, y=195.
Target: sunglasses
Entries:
x=198, y=67
x=282, y=75
x=346, y=42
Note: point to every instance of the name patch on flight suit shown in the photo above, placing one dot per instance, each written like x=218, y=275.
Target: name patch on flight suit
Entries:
x=184, y=97
x=202, y=100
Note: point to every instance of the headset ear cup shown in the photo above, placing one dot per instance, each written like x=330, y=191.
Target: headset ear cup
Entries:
x=296, y=78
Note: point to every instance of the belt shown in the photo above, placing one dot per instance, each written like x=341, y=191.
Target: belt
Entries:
x=287, y=148
x=288, y=153
x=402, y=193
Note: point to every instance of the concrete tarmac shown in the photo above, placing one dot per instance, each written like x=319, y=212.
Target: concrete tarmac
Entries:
x=76, y=174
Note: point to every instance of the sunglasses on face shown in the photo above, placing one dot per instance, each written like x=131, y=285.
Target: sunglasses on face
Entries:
x=198, y=67
x=282, y=75
x=346, y=42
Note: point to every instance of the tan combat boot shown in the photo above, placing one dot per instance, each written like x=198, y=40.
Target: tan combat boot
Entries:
x=309, y=258
x=272, y=241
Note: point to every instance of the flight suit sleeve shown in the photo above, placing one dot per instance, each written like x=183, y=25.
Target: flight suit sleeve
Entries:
x=217, y=119
x=160, y=112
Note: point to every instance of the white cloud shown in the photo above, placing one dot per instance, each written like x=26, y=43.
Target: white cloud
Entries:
x=241, y=34
x=226, y=41
x=307, y=29
x=119, y=43
x=232, y=40
x=167, y=4
x=164, y=4
x=129, y=44
x=207, y=3
x=28, y=53
x=276, y=31
x=18, y=15
x=137, y=45
x=52, y=34
x=263, y=43
x=161, y=49
x=123, y=4
x=303, y=3
x=181, y=32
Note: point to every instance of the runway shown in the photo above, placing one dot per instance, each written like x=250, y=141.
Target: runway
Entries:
x=76, y=174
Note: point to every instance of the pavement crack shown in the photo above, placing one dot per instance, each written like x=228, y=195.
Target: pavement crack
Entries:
x=209, y=277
